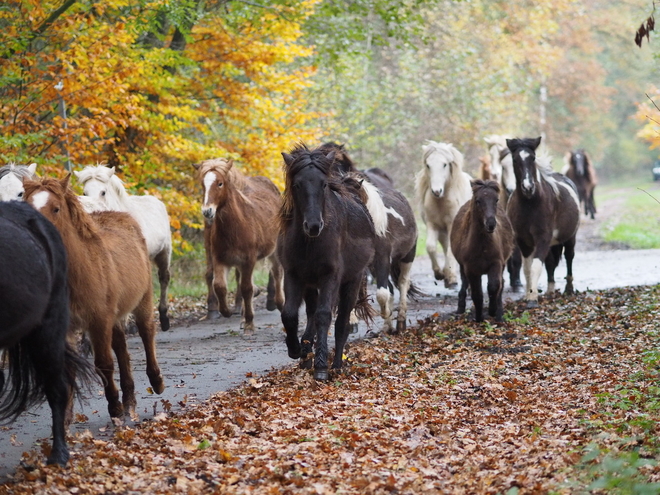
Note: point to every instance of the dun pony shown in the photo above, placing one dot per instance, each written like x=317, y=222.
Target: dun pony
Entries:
x=482, y=238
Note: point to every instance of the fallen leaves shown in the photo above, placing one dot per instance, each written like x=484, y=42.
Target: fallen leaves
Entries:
x=452, y=406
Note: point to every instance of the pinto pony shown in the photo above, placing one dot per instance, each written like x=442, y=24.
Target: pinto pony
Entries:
x=482, y=237
x=442, y=188
x=544, y=210
x=244, y=230
x=579, y=169
x=327, y=241
x=109, y=278
x=34, y=311
x=107, y=192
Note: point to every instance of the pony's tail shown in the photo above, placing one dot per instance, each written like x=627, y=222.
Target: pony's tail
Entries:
x=26, y=386
x=363, y=309
x=414, y=292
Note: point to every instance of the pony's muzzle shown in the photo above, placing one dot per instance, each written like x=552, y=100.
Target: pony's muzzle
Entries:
x=313, y=229
x=491, y=223
x=438, y=192
x=208, y=212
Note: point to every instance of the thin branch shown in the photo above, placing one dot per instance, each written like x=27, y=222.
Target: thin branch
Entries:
x=53, y=17
x=654, y=198
x=656, y=106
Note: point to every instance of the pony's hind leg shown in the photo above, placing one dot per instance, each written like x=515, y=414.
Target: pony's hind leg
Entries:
x=126, y=382
x=404, y=286
x=307, y=340
x=147, y=330
x=275, y=297
x=220, y=288
x=477, y=296
x=495, y=286
x=383, y=294
x=462, y=292
x=551, y=262
x=247, y=291
x=451, y=265
x=162, y=261
x=212, y=312
x=532, y=267
x=101, y=335
x=513, y=265
x=322, y=320
x=432, y=250
x=569, y=254
x=238, y=297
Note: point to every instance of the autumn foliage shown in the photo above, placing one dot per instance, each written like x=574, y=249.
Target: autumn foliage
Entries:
x=151, y=90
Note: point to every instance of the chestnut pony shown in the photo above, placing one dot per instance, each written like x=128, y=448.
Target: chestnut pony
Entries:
x=243, y=211
x=109, y=278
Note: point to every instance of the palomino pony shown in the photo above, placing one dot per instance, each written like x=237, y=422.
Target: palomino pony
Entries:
x=326, y=244
x=109, y=278
x=244, y=230
x=34, y=311
x=396, y=234
x=442, y=188
x=482, y=238
x=11, y=180
x=579, y=169
x=502, y=172
x=102, y=185
x=544, y=210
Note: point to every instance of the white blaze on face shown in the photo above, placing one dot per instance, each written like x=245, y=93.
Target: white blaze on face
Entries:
x=40, y=199
x=209, y=179
x=527, y=182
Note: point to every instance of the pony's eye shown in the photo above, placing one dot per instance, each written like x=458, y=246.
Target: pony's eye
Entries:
x=56, y=210
x=220, y=184
x=102, y=193
x=20, y=194
x=325, y=184
x=445, y=165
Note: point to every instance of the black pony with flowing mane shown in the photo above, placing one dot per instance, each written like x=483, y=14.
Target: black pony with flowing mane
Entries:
x=34, y=316
x=325, y=245
x=544, y=210
x=580, y=170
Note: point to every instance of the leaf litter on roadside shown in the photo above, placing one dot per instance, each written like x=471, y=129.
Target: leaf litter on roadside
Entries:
x=451, y=406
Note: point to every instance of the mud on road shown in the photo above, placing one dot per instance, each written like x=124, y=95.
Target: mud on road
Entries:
x=199, y=358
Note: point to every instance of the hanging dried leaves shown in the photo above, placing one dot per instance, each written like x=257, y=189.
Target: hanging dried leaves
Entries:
x=645, y=30
x=450, y=407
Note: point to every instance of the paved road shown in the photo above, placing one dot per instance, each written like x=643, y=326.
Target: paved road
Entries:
x=201, y=359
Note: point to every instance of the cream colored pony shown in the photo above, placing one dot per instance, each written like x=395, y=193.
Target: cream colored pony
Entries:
x=442, y=188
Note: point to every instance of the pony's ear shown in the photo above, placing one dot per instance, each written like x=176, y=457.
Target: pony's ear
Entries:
x=331, y=156
x=288, y=159
x=230, y=164
x=32, y=168
x=458, y=157
x=425, y=147
x=65, y=181
x=77, y=173
x=536, y=142
x=196, y=165
x=112, y=171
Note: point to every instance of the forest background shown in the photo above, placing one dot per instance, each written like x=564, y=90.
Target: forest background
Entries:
x=151, y=87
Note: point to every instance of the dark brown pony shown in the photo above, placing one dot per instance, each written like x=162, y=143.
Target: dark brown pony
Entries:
x=326, y=244
x=580, y=170
x=544, y=210
x=109, y=278
x=34, y=320
x=482, y=239
x=244, y=230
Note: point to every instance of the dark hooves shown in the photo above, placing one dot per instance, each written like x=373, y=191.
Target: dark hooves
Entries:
x=164, y=323
x=305, y=364
x=371, y=334
x=270, y=305
x=532, y=304
x=438, y=276
x=400, y=326
x=213, y=315
x=321, y=375
x=60, y=458
x=354, y=328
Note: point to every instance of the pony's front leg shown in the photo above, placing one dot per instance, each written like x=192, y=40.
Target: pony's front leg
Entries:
x=293, y=295
x=404, y=286
x=311, y=303
x=238, y=297
x=147, y=331
x=462, y=293
x=322, y=320
x=220, y=288
x=432, y=250
x=348, y=295
x=569, y=254
x=551, y=262
x=495, y=286
x=100, y=333
x=477, y=296
x=247, y=291
x=381, y=269
x=212, y=312
x=450, y=271
x=532, y=267
x=513, y=265
x=162, y=261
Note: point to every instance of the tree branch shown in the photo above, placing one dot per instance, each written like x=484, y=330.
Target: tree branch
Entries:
x=53, y=17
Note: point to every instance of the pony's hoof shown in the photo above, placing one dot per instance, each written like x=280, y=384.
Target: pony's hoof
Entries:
x=271, y=305
x=226, y=313
x=248, y=328
x=532, y=304
x=516, y=286
x=305, y=364
x=321, y=375
x=294, y=350
x=400, y=326
x=164, y=323
x=438, y=275
x=60, y=457
x=157, y=384
x=372, y=334
x=212, y=315
x=451, y=285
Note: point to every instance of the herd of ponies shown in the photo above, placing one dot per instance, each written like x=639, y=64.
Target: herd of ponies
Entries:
x=82, y=264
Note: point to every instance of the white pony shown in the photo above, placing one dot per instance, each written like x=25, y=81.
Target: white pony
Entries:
x=102, y=185
x=11, y=180
x=442, y=188
x=501, y=164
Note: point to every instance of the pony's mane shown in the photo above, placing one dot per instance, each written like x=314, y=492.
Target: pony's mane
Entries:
x=341, y=156
x=80, y=219
x=303, y=157
x=422, y=179
x=221, y=165
x=479, y=184
x=373, y=201
x=99, y=172
x=19, y=170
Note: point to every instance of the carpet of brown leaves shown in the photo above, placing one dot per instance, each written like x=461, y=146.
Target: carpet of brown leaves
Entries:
x=450, y=407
